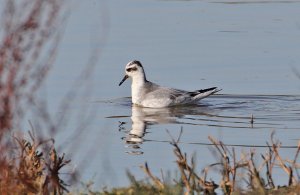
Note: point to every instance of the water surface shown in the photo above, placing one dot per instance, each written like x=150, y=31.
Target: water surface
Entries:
x=247, y=48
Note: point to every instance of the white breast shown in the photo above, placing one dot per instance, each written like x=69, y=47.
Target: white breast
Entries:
x=136, y=94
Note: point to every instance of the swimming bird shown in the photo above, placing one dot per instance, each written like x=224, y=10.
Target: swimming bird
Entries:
x=148, y=94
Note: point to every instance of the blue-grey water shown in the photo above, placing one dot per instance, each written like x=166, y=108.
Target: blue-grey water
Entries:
x=250, y=49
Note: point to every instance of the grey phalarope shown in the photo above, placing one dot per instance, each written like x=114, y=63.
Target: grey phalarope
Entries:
x=147, y=94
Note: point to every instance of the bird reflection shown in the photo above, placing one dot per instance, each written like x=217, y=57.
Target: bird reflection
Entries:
x=142, y=118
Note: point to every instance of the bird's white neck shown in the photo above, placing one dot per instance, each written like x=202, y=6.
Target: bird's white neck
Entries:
x=138, y=82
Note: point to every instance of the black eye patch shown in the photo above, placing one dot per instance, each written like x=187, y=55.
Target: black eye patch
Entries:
x=131, y=69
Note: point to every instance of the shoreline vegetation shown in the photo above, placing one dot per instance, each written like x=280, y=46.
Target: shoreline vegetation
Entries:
x=257, y=178
x=31, y=32
x=33, y=167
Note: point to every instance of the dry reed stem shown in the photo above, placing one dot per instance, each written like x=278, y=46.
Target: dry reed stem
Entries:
x=190, y=179
x=294, y=163
x=30, y=169
x=268, y=163
x=230, y=165
x=154, y=179
x=255, y=179
x=287, y=169
x=227, y=184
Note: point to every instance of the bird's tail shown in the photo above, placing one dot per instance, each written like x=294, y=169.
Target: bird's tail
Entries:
x=202, y=93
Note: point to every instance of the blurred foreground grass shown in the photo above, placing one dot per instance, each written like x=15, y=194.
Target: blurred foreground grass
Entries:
x=257, y=177
x=30, y=35
x=33, y=167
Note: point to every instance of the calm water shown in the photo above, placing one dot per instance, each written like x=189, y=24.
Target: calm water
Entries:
x=248, y=49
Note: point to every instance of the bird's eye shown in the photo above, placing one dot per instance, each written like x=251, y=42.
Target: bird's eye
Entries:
x=131, y=69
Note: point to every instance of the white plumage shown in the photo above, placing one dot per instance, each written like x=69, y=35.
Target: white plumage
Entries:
x=147, y=94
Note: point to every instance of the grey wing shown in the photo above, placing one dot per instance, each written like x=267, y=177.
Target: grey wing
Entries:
x=169, y=95
x=156, y=95
x=183, y=98
x=161, y=92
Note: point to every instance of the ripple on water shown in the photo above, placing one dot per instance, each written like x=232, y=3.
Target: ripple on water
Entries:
x=249, y=114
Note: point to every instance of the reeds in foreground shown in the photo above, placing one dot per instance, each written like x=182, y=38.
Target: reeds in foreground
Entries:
x=259, y=178
x=31, y=167
x=30, y=34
